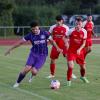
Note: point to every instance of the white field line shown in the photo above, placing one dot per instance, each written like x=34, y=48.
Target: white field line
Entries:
x=22, y=66
x=14, y=68
x=26, y=92
x=96, y=39
x=13, y=58
x=37, y=95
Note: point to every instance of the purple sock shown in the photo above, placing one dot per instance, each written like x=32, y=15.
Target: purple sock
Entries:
x=21, y=77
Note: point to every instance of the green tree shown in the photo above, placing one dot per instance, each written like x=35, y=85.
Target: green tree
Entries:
x=6, y=9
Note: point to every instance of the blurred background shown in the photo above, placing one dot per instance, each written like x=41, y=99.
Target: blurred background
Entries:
x=15, y=15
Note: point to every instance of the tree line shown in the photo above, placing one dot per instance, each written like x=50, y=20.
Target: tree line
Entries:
x=22, y=12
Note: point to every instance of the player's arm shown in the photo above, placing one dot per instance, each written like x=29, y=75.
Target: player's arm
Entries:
x=81, y=47
x=52, y=42
x=93, y=33
x=84, y=41
x=50, y=33
x=65, y=39
x=20, y=42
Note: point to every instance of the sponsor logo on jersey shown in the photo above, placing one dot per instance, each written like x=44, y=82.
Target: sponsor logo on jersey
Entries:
x=42, y=37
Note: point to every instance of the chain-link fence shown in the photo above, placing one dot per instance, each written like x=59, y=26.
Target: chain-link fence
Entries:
x=19, y=31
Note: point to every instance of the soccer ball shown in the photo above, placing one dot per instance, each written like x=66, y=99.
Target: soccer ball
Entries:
x=55, y=84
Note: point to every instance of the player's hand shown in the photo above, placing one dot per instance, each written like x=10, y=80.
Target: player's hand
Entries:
x=78, y=51
x=67, y=47
x=59, y=50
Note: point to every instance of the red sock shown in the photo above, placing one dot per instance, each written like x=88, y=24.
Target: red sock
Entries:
x=82, y=71
x=69, y=74
x=52, y=69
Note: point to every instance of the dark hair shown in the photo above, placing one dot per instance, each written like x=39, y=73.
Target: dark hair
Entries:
x=89, y=15
x=79, y=18
x=59, y=17
x=34, y=24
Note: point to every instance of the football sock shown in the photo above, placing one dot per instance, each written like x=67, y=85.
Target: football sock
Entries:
x=82, y=71
x=52, y=69
x=31, y=76
x=69, y=74
x=21, y=77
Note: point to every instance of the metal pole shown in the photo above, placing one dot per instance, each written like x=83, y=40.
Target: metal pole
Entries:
x=5, y=34
x=23, y=31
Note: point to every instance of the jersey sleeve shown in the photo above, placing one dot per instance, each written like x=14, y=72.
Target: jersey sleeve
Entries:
x=85, y=33
x=67, y=30
x=70, y=31
x=47, y=34
x=84, y=23
x=27, y=37
x=51, y=28
x=92, y=25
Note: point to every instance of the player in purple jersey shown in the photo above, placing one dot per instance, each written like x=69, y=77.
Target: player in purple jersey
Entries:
x=38, y=52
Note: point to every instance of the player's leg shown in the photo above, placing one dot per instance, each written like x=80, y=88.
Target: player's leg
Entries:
x=80, y=60
x=82, y=72
x=52, y=68
x=54, y=55
x=34, y=72
x=22, y=75
x=70, y=59
x=41, y=59
x=87, y=50
x=65, y=51
x=30, y=77
x=73, y=75
x=88, y=47
x=69, y=72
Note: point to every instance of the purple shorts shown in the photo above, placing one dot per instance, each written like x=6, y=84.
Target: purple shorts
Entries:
x=36, y=60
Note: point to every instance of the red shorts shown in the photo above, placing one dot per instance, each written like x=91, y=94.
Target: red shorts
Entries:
x=78, y=58
x=88, y=42
x=55, y=54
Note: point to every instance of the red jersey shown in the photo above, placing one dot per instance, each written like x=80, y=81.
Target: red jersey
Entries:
x=76, y=39
x=89, y=28
x=58, y=32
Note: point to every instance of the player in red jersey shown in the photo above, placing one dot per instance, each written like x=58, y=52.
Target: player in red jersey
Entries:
x=77, y=40
x=58, y=31
x=88, y=25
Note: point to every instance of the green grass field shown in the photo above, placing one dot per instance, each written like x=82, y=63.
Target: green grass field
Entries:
x=39, y=89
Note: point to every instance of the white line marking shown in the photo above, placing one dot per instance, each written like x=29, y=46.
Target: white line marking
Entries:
x=12, y=58
x=27, y=92
x=96, y=39
x=22, y=66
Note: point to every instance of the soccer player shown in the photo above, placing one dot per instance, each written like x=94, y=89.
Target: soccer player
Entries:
x=77, y=40
x=58, y=31
x=38, y=52
x=88, y=25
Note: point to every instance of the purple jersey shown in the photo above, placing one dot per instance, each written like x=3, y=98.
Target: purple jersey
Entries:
x=39, y=42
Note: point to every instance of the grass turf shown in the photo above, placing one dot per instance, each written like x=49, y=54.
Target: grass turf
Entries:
x=39, y=89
